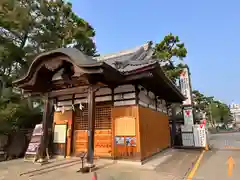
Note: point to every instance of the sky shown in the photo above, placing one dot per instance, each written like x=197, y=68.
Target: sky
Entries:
x=209, y=28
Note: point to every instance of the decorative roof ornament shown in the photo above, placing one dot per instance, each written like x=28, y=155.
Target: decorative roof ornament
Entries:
x=121, y=64
x=141, y=55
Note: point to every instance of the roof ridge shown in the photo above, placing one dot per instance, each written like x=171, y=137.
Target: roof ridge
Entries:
x=145, y=46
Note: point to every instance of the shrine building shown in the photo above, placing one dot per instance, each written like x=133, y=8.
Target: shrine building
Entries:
x=112, y=106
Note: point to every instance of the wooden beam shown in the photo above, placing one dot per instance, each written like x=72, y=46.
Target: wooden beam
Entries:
x=156, y=102
x=133, y=77
x=68, y=91
x=112, y=95
x=174, y=123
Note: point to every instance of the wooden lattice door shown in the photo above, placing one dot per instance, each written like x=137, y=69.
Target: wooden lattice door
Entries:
x=80, y=130
x=103, y=133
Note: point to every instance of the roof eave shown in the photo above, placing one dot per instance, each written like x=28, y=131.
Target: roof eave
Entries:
x=170, y=83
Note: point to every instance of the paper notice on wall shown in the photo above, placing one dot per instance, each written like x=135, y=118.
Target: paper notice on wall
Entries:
x=119, y=140
x=60, y=133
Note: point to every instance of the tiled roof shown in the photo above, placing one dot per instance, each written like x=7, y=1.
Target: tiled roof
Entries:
x=130, y=59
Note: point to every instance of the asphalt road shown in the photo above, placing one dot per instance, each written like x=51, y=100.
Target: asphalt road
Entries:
x=214, y=163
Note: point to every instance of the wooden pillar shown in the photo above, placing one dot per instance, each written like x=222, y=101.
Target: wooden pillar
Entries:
x=44, y=140
x=137, y=91
x=156, y=102
x=71, y=127
x=173, y=107
x=112, y=96
x=91, y=124
x=112, y=127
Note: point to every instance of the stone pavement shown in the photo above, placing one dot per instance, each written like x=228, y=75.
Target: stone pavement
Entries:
x=170, y=165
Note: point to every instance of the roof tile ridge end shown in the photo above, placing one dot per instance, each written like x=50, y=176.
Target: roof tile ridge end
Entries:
x=145, y=46
x=142, y=53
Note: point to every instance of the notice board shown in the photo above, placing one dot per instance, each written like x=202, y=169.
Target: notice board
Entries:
x=60, y=133
x=34, y=143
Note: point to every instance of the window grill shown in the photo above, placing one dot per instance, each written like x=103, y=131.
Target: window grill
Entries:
x=102, y=117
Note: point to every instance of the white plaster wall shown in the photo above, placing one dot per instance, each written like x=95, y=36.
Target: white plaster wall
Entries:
x=103, y=91
x=102, y=94
x=124, y=103
x=123, y=99
x=124, y=96
x=124, y=88
x=161, y=105
x=147, y=99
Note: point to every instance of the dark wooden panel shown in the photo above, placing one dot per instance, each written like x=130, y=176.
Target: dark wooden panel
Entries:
x=59, y=149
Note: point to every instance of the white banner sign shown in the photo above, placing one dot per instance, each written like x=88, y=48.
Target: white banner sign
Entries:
x=200, y=136
x=188, y=116
x=185, y=86
x=187, y=128
x=187, y=139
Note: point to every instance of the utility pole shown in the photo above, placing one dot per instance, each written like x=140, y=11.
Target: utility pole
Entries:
x=210, y=113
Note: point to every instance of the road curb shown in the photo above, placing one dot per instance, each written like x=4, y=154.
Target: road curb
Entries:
x=195, y=166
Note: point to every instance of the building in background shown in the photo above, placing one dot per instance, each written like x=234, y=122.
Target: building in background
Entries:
x=235, y=110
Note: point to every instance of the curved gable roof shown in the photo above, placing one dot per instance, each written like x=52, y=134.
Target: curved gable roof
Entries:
x=75, y=56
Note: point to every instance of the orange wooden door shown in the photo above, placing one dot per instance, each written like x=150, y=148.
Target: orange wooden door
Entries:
x=103, y=132
x=80, y=134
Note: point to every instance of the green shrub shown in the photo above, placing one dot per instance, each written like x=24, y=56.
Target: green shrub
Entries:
x=14, y=116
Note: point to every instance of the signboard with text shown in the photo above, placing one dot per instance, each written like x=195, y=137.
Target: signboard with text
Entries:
x=35, y=142
x=188, y=116
x=185, y=86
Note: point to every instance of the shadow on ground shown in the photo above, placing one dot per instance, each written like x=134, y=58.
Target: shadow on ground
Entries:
x=175, y=167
